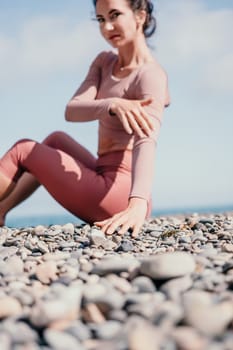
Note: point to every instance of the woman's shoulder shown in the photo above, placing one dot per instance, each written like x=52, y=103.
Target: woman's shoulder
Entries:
x=104, y=57
x=153, y=77
x=153, y=69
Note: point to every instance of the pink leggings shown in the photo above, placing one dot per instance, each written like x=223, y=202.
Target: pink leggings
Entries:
x=92, y=189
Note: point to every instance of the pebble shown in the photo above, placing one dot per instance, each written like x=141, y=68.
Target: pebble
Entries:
x=72, y=287
x=9, y=307
x=61, y=341
x=166, y=266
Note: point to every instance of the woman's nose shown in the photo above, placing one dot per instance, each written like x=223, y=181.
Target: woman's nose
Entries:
x=108, y=25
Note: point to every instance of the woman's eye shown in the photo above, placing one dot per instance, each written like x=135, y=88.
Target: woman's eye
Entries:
x=115, y=15
x=100, y=20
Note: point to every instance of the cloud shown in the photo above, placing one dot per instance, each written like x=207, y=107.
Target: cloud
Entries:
x=218, y=75
x=45, y=45
x=193, y=38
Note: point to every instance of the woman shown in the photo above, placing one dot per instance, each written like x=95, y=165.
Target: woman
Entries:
x=127, y=92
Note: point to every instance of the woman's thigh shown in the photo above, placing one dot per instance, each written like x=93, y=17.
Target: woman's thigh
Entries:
x=79, y=189
x=62, y=141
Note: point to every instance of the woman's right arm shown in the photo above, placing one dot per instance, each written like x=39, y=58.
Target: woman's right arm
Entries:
x=84, y=106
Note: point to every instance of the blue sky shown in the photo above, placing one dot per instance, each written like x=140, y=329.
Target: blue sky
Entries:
x=45, y=51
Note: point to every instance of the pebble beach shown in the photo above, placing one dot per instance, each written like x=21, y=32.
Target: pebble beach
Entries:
x=70, y=287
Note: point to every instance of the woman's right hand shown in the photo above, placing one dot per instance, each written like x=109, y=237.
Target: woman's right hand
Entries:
x=133, y=116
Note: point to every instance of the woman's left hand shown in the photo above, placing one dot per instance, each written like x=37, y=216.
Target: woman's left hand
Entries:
x=133, y=217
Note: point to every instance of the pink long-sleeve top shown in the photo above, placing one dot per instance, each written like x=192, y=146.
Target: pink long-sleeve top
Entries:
x=93, y=99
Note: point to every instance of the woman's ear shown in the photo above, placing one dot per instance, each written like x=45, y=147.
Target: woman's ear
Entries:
x=140, y=18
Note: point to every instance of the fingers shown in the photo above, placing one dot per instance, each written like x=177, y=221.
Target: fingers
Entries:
x=134, y=117
x=136, y=230
x=140, y=122
x=120, y=223
x=146, y=102
x=148, y=120
x=112, y=224
x=108, y=226
x=105, y=225
x=134, y=124
x=145, y=122
x=125, y=122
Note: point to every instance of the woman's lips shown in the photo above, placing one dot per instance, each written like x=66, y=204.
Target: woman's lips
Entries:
x=115, y=36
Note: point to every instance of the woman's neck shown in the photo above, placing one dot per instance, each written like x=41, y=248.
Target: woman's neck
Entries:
x=134, y=55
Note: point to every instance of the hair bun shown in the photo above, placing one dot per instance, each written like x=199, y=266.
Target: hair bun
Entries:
x=150, y=7
x=150, y=24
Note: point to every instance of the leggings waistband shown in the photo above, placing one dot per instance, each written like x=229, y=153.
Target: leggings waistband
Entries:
x=114, y=161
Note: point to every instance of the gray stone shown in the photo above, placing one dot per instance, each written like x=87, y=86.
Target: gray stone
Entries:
x=61, y=340
x=5, y=341
x=79, y=330
x=107, y=330
x=115, y=265
x=174, y=287
x=209, y=318
x=169, y=265
x=143, y=284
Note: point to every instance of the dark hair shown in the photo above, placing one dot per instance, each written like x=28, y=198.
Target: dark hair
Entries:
x=150, y=24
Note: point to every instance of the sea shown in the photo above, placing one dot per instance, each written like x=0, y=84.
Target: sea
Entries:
x=61, y=219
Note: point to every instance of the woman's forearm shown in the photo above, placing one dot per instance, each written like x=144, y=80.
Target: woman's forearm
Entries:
x=86, y=110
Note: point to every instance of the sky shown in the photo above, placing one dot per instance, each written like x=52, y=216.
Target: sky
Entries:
x=46, y=48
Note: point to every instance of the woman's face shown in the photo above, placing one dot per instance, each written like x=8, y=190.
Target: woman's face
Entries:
x=117, y=21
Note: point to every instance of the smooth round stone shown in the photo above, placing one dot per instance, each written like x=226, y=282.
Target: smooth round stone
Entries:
x=5, y=341
x=47, y=272
x=125, y=246
x=209, y=251
x=12, y=266
x=20, y=332
x=99, y=294
x=6, y=252
x=61, y=340
x=143, y=284
x=142, y=334
x=63, y=306
x=9, y=307
x=206, y=221
x=97, y=237
x=174, y=287
x=40, y=230
x=97, y=254
x=68, y=228
x=168, y=265
x=25, y=298
x=117, y=315
x=107, y=330
x=227, y=247
x=16, y=285
x=42, y=247
x=119, y=283
x=168, y=314
x=66, y=245
x=79, y=330
x=188, y=338
x=155, y=234
x=66, y=280
x=184, y=239
x=56, y=256
x=115, y=265
x=208, y=318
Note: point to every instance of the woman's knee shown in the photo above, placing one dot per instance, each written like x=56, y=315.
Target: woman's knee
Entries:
x=24, y=144
x=54, y=138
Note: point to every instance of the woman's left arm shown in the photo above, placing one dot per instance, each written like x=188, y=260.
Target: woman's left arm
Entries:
x=149, y=86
